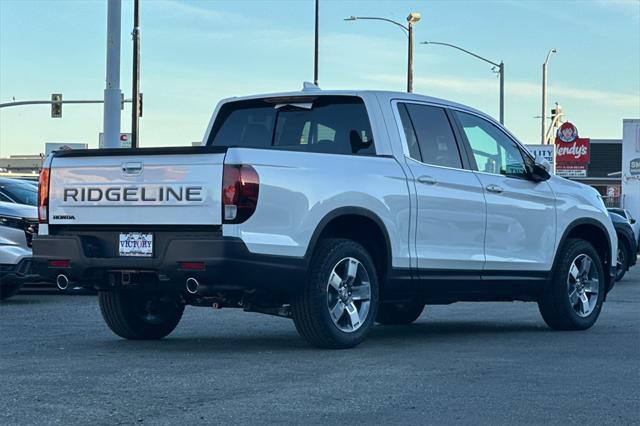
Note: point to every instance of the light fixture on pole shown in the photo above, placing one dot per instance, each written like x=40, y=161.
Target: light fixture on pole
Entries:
x=412, y=19
x=543, y=118
x=499, y=66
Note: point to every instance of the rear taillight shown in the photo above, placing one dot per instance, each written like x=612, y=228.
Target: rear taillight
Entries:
x=240, y=187
x=43, y=196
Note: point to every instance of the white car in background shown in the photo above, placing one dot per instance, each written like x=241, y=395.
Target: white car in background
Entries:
x=18, y=224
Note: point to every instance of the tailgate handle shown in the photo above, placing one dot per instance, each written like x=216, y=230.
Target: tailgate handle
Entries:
x=132, y=169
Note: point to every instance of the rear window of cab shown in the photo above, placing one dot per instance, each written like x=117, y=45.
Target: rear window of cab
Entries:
x=326, y=124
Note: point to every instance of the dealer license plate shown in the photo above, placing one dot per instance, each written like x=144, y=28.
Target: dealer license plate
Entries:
x=136, y=244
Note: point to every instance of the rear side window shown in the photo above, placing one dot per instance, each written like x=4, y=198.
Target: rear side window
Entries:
x=430, y=138
x=329, y=124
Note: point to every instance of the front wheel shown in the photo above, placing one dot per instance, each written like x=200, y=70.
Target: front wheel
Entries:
x=338, y=305
x=574, y=296
x=140, y=315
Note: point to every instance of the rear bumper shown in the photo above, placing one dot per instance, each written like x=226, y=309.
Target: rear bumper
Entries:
x=17, y=274
x=228, y=264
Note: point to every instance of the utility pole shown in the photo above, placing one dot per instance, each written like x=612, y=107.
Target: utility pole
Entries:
x=543, y=119
x=135, y=84
x=410, y=58
x=317, y=43
x=501, y=71
x=112, y=93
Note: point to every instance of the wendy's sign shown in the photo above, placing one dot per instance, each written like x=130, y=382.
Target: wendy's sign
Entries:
x=572, y=152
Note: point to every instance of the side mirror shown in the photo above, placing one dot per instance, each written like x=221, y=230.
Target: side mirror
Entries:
x=541, y=169
x=632, y=221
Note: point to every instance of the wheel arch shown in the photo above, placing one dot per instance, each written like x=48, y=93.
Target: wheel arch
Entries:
x=596, y=234
x=361, y=225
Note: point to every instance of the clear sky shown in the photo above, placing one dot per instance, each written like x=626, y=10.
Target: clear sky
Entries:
x=196, y=52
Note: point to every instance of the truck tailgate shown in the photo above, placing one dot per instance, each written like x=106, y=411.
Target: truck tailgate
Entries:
x=161, y=187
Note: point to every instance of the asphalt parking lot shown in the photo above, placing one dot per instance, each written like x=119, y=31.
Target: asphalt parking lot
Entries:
x=483, y=363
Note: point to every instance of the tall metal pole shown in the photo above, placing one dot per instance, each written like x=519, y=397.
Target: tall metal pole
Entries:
x=112, y=91
x=543, y=116
x=500, y=67
x=501, y=70
x=317, y=37
x=135, y=84
x=410, y=59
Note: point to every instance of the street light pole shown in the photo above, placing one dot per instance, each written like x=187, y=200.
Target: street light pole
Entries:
x=135, y=84
x=412, y=19
x=543, y=118
x=499, y=66
x=410, y=58
x=317, y=42
x=501, y=71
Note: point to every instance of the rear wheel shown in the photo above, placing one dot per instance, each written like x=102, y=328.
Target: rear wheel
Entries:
x=338, y=304
x=140, y=315
x=622, y=263
x=574, y=296
x=399, y=313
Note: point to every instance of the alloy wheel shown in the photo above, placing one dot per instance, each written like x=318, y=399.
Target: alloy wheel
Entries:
x=583, y=285
x=348, y=294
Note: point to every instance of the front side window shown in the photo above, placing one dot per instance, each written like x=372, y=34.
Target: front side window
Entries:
x=329, y=124
x=493, y=151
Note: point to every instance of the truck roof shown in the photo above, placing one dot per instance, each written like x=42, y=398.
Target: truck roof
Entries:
x=310, y=90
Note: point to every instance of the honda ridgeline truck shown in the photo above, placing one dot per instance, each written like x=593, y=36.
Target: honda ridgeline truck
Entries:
x=337, y=209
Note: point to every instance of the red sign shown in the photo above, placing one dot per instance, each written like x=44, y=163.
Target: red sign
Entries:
x=572, y=152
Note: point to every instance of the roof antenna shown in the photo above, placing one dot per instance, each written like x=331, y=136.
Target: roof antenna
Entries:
x=308, y=86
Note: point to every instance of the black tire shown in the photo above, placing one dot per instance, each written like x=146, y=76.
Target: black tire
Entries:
x=9, y=289
x=140, y=315
x=623, y=259
x=311, y=307
x=554, y=304
x=399, y=313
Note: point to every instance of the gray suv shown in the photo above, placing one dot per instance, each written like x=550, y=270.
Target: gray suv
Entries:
x=18, y=224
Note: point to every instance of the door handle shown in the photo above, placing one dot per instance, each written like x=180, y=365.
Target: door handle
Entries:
x=134, y=168
x=428, y=180
x=494, y=188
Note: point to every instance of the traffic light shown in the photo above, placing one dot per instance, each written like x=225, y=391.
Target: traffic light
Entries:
x=56, y=105
x=556, y=116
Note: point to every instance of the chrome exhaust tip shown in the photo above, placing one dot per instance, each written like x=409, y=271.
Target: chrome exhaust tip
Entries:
x=192, y=285
x=62, y=282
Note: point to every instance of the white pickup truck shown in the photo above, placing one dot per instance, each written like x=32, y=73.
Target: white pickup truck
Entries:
x=335, y=208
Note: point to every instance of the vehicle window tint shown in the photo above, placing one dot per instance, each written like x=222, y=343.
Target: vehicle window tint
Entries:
x=337, y=125
x=410, y=134
x=21, y=192
x=333, y=124
x=435, y=136
x=493, y=150
x=249, y=125
x=5, y=198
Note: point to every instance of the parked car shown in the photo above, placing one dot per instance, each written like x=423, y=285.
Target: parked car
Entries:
x=627, y=244
x=18, y=191
x=18, y=224
x=632, y=221
x=334, y=208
